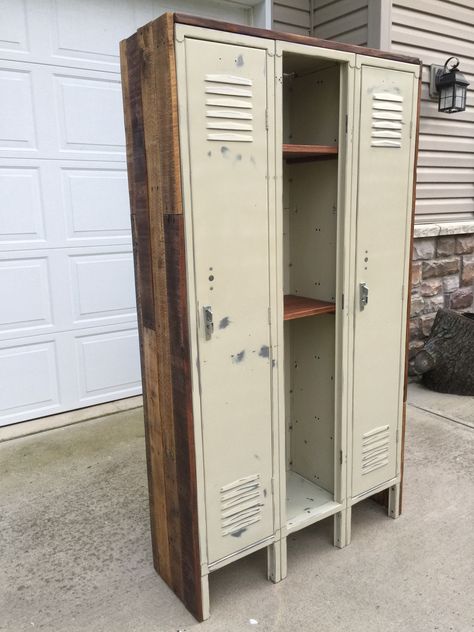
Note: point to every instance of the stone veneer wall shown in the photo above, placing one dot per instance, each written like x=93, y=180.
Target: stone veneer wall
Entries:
x=442, y=276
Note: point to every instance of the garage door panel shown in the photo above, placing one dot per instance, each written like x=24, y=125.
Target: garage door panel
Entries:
x=21, y=206
x=47, y=113
x=80, y=32
x=13, y=27
x=96, y=203
x=90, y=114
x=17, y=128
x=103, y=287
x=28, y=379
x=26, y=295
x=56, y=204
x=108, y=364
x=68, y=331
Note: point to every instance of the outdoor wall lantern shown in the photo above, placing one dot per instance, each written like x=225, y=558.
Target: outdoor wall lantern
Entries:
x=449, y=85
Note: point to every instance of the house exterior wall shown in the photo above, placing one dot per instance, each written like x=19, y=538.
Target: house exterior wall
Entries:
x=433, y=30
x=443, y=255
x=292, y=16
x=341, y=20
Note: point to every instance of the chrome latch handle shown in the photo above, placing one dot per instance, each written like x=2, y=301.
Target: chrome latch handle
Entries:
x=208, y=321
x=363, y=295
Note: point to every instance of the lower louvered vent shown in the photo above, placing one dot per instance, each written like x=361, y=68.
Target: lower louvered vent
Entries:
x=240, y=504
x=375, y=449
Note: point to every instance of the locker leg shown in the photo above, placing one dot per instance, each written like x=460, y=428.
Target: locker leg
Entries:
x=394, y=501
x=276, y=561
x=206, y=613
x=342, y=528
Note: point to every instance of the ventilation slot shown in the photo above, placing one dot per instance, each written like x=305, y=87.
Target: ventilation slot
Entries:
x=375, y=446
x=240, y=504
x=387, y=120
x=230, y=112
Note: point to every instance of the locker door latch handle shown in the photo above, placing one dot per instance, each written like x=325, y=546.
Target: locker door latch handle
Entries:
x=208, y=321
x=364, y=295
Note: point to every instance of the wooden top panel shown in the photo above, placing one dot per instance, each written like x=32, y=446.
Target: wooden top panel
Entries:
x=192, y=20
x=301, y=306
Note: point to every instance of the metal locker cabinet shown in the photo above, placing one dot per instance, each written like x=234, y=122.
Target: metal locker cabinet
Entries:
x=384, y=167
x=207, y=134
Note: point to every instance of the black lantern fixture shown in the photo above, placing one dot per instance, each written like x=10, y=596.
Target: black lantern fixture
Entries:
x=450, y=86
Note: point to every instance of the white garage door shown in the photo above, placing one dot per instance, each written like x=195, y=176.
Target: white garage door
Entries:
x=68, y=335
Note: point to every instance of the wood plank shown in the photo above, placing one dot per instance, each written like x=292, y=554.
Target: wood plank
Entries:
x=130, y=57
x=301, y=307
x=151, y=114
x=305, y=153
x=183, y=18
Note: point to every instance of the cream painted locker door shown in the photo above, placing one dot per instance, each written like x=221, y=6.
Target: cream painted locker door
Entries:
x=226, y=88
x=384, y=198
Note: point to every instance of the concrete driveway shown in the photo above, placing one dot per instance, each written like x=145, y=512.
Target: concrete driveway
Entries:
x=75, y=546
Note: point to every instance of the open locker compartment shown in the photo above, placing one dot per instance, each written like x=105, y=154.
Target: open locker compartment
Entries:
x=311, y=122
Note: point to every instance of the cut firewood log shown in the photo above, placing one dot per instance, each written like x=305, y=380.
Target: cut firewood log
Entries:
x=447, y=359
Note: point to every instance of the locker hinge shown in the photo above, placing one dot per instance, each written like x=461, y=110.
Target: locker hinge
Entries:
x=340, y=457
x=346, y=122
x=342, y=301
x=266, y=119
x=269, y=315
x=403, y=292
x=411, y=128
x=396, y=437
x=273, y=486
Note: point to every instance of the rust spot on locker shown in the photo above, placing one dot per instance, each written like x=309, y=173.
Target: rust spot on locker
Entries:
x=224, y=322
x=225, y=151
x=264, y=351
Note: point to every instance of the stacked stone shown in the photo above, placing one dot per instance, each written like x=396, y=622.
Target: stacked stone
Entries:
x=442, y=276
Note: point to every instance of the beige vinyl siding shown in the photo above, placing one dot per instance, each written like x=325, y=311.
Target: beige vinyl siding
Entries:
x=292, y=16
x=341, y=20
x=434, y=30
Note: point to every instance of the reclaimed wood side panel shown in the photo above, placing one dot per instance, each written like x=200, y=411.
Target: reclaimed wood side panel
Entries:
x=151, y=121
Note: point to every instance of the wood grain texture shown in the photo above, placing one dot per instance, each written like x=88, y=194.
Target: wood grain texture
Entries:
x=308, y=153
x=151, y=121
x=192, y=20
x=301, y=307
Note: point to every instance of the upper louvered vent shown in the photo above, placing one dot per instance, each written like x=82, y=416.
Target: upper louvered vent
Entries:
x=229, y=108
x=387, y=119
x=240, y=504
x=375, y=448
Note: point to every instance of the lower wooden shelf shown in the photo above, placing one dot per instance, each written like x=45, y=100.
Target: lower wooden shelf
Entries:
x=301, y=306
x=306, y=502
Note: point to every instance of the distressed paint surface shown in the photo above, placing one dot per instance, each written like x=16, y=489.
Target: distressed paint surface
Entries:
x=230, y=218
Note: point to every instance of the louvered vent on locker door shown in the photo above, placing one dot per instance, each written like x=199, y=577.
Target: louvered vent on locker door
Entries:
x=240, y=504
x=387, y=119
x=229, y=108
x=375, y=449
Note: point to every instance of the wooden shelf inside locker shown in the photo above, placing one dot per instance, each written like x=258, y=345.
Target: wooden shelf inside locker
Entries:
x=307, y=153
x=301, y=307
x=306, y=502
